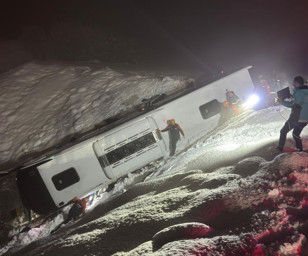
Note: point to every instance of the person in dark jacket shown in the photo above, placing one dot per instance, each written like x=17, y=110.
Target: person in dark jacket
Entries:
x=78, y=208
x=174, y=135
x=299, y=115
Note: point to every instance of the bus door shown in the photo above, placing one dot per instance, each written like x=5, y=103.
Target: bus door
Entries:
x=157, y=134
x=129, y=148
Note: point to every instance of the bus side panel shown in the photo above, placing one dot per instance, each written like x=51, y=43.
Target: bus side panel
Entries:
x=185, y=110
x=129, y=148
x=34, y=192
x=87, y=167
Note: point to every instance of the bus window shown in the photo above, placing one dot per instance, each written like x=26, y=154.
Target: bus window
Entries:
x=210, y=109
x=65, y=179
x=130, y=148
x=103, y=161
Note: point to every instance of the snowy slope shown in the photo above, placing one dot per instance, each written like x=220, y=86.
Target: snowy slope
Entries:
x=43, y=103
x=230, y=194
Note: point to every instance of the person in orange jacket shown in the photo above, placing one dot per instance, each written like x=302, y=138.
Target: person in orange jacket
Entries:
x=79, y=207
x=234, y=102
x=174, y=130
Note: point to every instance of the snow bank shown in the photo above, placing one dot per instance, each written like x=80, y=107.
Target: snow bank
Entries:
x=45, y=103
x=260, y=227
x=246, y=211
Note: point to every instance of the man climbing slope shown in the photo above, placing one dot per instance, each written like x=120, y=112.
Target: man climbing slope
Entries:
x=174, y=130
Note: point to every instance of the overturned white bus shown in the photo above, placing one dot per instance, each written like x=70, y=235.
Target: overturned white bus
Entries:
x=101, y=160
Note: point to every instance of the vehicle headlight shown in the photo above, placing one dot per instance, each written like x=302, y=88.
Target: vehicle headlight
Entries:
x=251, y=101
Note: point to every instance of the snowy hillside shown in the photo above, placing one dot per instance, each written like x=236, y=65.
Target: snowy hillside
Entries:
x=230, y=194
x=41, y=104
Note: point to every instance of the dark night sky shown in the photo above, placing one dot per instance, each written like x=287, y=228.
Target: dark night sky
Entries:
x=271, y=35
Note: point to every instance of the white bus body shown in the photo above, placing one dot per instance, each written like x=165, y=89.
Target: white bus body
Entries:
x=103, y=159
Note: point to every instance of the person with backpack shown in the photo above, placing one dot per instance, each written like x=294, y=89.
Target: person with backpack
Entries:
x=298, y=118
x=233, y=102
x=174, y=130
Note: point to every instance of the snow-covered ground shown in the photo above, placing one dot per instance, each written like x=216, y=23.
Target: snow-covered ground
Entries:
x=231, y=193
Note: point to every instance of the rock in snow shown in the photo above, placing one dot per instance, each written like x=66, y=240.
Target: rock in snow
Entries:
x=182, y=231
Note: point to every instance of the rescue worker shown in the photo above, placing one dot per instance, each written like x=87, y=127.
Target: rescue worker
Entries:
x=78, y=208
x=174, y=135
x=298, y=118
x=262, y=89
x=265, y=85
x=234, y=102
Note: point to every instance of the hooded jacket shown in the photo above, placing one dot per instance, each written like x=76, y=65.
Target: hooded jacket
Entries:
x=81, y=202
x=299, y=102
x=175, y=131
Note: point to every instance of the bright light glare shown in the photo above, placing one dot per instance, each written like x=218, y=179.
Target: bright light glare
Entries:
x=251, y=101
x=228, y=147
